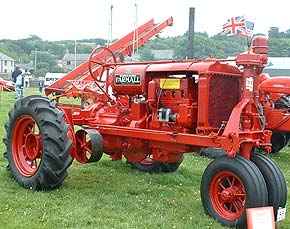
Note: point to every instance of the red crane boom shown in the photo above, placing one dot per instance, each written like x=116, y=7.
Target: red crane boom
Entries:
x=124, y=45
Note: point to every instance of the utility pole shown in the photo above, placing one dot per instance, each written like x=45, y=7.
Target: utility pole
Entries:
x=75, y=51
x=35, y=60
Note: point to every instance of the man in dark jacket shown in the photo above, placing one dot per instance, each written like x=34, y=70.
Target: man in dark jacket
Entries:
x=16, y=73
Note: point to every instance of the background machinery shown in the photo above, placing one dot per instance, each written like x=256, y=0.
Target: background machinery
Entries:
x=275, y=99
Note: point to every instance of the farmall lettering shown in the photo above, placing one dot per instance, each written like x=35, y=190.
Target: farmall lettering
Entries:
x=128, y=79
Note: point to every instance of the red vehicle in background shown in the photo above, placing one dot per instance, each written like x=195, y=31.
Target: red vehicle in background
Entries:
x=275, y=100
x=7, y=85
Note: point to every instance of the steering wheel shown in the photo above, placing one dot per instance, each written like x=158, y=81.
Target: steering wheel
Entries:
x=99, y=58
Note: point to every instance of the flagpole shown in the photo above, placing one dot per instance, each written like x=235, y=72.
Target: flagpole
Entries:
x=238, y=25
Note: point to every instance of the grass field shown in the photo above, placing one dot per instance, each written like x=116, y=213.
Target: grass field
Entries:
x=111, y=194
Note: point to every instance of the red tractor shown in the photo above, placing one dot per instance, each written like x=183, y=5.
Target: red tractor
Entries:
x=155, y=110
x=275, y=100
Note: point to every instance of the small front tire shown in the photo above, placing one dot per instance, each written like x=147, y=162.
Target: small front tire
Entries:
x=229, y=186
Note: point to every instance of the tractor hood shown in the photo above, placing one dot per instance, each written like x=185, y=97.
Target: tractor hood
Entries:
x=276, y=85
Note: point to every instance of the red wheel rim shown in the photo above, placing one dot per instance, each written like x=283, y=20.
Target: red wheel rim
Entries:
x=228, y=195
x=26, y=146
x=148, y=160
x=83, y=146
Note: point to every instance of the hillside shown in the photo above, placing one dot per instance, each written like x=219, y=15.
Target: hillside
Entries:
x=48, y=52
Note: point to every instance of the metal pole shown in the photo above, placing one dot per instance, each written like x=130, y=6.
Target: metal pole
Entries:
x=136, y=30
x=110, y=27
x=75, y=50
x=35, y=59
x=135, y=34
x=190, y=50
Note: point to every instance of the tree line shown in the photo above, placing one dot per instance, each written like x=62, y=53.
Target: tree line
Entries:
x=49, y=52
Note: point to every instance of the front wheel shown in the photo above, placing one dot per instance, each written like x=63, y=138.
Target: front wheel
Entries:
x=275, y=181
x=229, y=186
x=37, y=143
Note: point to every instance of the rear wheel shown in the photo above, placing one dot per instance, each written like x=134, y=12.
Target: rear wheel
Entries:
x=212, y=153
x=37, y=143
x=151, y=166
x=229, y=186
x=275, y=181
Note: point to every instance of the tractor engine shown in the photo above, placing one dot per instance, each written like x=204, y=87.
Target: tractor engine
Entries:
x=169, y=99
x=145, y=99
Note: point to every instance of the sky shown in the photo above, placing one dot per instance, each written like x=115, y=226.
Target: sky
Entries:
x=54, y=20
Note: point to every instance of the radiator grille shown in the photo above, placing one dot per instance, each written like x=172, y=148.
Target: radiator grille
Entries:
x=224, y=94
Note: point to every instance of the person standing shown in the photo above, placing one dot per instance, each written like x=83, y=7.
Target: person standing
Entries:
x=40, y=86
x=19, y=83
x=16, y=73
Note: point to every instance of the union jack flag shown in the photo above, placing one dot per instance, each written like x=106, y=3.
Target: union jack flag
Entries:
x=249, y=29
x=234, y=25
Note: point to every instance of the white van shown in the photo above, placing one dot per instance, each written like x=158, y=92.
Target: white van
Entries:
x=50, y=78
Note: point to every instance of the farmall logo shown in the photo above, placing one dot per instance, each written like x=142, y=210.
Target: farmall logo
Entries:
x=128, y=79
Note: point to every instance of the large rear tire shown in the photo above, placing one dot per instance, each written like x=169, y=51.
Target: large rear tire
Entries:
x=212, y=153
x=275, y=181
x=229, y=186
x=37, y=143
x=151, y=166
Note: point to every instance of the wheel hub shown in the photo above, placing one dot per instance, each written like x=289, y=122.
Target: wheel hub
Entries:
x=229, y=194
x=31, y=146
